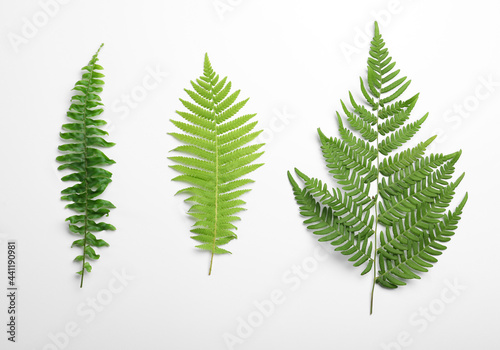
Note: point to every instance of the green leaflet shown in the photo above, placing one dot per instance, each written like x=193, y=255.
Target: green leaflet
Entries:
x=399, y=229
x=216, y=141
x=84, y=158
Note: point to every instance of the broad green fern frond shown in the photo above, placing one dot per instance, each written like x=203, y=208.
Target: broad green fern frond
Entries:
x=84, y=158
x=220, y=156
x=402, y=227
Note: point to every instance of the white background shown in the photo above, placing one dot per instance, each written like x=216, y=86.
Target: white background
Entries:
x=290, y=58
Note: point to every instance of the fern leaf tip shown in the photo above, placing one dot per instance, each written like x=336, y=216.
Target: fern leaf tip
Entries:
x=414, y=98
x=98, y=50
x=207, y=65
x=455, y=157
x=430, y=139
x=301, y=174
x=339, y=119
x=322, y=136
x=460, y=178
x=292, y=180
x=464, y=200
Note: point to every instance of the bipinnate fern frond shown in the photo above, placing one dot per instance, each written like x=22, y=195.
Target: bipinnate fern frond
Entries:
x=401, y=229
x=217, y=142
x=83, y=157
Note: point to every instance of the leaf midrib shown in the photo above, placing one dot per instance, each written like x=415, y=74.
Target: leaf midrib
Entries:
x=85, y=225
x=216, y=204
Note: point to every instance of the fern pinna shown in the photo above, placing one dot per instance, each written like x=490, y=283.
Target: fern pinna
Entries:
x=85, y=160
x=399, y=228
x=220, y=155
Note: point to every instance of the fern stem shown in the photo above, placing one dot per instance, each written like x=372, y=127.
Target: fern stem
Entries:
x=84, y=119
x=216, y=177
x=211, y=262
x=85, y=224
x=376, y=229
x=376, y=214
x=376, y=232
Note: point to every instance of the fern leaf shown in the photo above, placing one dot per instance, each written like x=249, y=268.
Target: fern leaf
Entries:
x=405, y=220
x=346, y=209
x=341, y=158
x=404, y=159
x=361, y=111
x=324, y=222
x=416, y=222
x=83, y=156
x=421, y=255
x=394, y=122
x=396, y=207
x=398, y=138
x=217, y=143
x=416, y=172
x=397, y=107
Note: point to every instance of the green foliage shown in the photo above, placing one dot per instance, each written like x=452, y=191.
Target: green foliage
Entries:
x=216, y=141
x=404, y=224
x=84, y=158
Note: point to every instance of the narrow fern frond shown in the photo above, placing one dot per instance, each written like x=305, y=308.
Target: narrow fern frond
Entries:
x=83, y=156
x=220, y=155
